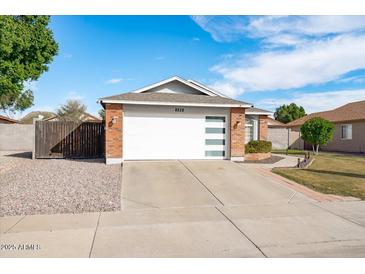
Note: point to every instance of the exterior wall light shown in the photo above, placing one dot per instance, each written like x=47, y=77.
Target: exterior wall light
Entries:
x=114, y=119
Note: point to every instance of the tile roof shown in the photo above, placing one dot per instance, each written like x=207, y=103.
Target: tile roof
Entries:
x=173, y=98
x=349, y=112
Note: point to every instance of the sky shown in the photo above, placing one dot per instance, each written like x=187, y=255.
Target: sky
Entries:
x=315, y=61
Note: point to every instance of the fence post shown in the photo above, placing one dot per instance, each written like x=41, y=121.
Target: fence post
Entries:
x=33, y=141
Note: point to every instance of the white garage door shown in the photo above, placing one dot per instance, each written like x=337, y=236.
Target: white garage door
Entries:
x=155, y=132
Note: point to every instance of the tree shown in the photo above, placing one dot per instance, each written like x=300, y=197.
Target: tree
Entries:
x=73, y=110
x=317, y=131
x=288, y=113
x=102, y=113
x=27, y=47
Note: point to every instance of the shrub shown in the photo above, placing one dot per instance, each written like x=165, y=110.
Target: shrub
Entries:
x=258, y=147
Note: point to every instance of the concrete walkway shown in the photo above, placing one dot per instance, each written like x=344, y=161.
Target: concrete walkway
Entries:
x=287, y=161
x=195, y=209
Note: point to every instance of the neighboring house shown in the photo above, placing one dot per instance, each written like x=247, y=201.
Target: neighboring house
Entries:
x=38, y=115
x=179, y=119
x=274, y=123
x=85, y=117
x=349, y=123
x=279, y=135
x=7, y=120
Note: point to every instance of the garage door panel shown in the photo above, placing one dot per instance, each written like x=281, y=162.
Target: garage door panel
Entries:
x=168, y=135
x=163, y=138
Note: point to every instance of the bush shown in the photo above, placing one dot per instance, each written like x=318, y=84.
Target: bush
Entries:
x=258, y=147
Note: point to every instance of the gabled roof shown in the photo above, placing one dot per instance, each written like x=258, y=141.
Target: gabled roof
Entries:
x=190, y=83
x=176, y=99
x=28, y=119
x=349, y=112
x=275, y=123
x=83, y=117
x=207, y=88
x=209, y=97
x=257, y=111
x=8, y=119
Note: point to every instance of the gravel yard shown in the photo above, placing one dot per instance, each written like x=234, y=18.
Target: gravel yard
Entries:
x=56, y=186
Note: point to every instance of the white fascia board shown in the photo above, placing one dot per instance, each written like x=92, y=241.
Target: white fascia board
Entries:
x=175, y=78
x=258, y=113
x=209, y=89
x=127, y=102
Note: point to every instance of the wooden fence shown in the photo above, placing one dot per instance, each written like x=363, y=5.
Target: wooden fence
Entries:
x=69, y=139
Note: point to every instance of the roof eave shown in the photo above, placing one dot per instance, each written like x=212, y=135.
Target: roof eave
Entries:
x=175, y=78
x=257, y=113
x=332, y=121
x=128, y=102
x=208, y=89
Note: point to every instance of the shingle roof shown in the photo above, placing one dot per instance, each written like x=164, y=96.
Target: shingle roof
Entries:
x=28, y=119
x=8, y=119
x=275, y=123
x=173, y=98
x=258, y=110
x=348, y=112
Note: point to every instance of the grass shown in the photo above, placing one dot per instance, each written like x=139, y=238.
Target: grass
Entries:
x=289, y=151
x=331, y=173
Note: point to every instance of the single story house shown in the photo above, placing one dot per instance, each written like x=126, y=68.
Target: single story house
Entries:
x=279, y=135
x=179, y=119
x=84, y=117
x=274, y=123
x=349, y=121
x=7, y=120
x=37, y=115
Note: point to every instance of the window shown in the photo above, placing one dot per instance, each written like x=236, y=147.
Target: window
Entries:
x=215, y=130
x=346, y=132
x=214, y=142
x=251, y=128
x=214, y=153
x=215, y=119
x=248, y=133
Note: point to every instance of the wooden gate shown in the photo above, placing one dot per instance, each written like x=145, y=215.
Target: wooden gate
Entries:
x=69, y=139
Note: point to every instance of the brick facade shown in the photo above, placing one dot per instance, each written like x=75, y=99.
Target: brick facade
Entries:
x=237, y=134
x=257, y=156
x=113, y=133
x=263, y=119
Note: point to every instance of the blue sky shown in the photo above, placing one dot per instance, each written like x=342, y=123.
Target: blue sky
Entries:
x=315, y=61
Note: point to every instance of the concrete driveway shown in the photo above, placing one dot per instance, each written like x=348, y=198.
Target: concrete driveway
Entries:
x=197, y=209
x=196, y=183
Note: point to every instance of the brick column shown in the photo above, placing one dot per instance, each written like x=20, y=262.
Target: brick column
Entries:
x=237, y=134
x=263, y=127
x=113, y=133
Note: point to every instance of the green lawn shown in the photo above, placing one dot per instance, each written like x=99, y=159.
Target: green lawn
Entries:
x=289, y=151
x=332, y=173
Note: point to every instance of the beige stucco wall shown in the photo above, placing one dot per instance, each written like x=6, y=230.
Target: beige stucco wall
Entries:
x=16, y=137
x=278, y=136
x=356, y=144
x=295, y=141
x=281, y=138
